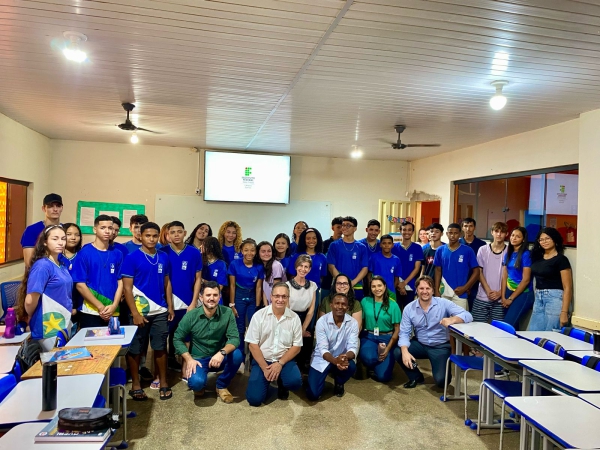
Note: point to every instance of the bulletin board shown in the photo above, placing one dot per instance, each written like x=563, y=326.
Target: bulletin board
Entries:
x=88, y=211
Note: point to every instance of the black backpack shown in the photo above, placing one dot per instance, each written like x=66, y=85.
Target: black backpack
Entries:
x=28, y=354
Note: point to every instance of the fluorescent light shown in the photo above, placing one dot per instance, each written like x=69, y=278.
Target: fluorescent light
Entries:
x=134, y=139
x=498, y=101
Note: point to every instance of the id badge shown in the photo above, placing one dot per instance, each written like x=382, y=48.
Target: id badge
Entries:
x=376, y=331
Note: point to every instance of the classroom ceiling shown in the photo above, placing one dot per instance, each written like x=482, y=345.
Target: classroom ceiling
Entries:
x=306, y=77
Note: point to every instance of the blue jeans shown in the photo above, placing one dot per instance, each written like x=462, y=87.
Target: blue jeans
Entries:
x=245, y=305
x=316, y=379
x=437, y=355
x=518, y=308
x=546, y=310
x=229, y=366
x=258, y=385
x=369, y=355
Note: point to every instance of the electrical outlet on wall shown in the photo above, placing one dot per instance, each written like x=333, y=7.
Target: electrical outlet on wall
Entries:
x=198, y=191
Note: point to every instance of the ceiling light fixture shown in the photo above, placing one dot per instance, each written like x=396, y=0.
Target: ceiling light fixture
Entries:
x=72, y=51
x=498, y=101
x=134, y=139
x=356, y=153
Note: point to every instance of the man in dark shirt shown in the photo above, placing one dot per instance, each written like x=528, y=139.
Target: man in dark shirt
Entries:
x=336, y=227
x=469, y=239
x=435, y=232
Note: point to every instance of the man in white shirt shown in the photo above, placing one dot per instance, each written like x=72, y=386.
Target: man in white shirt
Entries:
x=336, y=334
x=274, y=337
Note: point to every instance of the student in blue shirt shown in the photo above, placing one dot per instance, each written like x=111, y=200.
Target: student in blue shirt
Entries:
x=411, y=257
x=230, y=238
x=283, y=252
x=456, y=268
x=45, y=295
x=201, y=232
x=135, y=224
x=117, y=245
x=245, y=289
x=97, y=274
x=214, y=267
x=336, y=228
x=311, y=243
x=371, y=241
x=469, y=239
x=349, y=256
x=148, y=293
x=386, y=265
x=73, y=247
x=186, y=277
x=52, y=207
x=299, y=227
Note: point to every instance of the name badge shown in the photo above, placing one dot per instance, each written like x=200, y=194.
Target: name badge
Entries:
x=112, y=268
x=376, y=331
x=184, y=265
x=410, y=258
x=160, y=267
x=460, y=258
x=353, y=255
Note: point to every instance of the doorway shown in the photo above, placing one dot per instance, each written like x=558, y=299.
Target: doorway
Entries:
x=428, y=213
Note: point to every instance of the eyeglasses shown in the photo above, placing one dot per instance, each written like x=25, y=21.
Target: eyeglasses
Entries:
x=347, y=225
x=540, y=240
x=277, y=297
x=342, y=283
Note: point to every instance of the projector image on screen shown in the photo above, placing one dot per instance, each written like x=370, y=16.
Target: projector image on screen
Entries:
x=244, y=177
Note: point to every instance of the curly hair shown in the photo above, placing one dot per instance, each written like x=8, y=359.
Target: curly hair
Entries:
x=538, y=252
x=238, y=231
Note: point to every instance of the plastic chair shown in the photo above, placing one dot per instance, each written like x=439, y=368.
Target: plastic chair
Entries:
x=9, y=293
x=504, y=326
x=551, y=346
x=99, y=402
x=7, y=384
x=593, y=362
x=578, y=334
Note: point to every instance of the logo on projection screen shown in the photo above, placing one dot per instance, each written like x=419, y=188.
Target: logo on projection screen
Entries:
x=247, y=180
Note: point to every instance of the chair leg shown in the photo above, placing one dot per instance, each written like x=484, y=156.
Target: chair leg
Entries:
x=465, y=390
x=446, y=379
x=479, y=409
x=124, y=414
x=502, y=423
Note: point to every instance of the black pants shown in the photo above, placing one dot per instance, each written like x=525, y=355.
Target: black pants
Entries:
x=303, y=358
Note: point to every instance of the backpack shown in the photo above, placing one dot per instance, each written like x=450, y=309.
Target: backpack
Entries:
x=28, y=354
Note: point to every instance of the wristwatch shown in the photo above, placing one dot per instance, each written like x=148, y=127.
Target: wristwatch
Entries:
x=231, y=305
x=223, y=352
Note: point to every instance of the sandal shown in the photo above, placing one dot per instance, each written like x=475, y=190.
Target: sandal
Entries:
x=138, y=395
x=155, y=385
x=163, y=393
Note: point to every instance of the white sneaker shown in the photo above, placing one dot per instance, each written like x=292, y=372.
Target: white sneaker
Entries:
x=242, y=368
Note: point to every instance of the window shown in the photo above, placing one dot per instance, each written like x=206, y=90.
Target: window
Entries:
x=544, y=198
x=13, y=218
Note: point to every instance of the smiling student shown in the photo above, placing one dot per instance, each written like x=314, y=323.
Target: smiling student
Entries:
x=52, y=207
x=283, y=252
x=97, y=275
x=435, y=241
x=230, y=238
x=273, y=269
x=201, y=232
x=371, y=241
x=386, y=265
x=299, y=227
x=311, y=243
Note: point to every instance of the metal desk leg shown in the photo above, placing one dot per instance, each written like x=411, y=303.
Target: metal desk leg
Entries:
x=489, y=397
x=523, y=434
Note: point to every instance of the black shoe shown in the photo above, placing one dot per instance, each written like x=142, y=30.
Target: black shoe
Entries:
x=173, y=365
x=338, y=390
x=145, y=374
x=282, y=393
x=413, y=384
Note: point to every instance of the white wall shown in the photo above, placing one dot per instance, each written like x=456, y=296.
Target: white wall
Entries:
x=25, y=156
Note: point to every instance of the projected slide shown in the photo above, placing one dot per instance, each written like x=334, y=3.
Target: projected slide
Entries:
x=561, y=194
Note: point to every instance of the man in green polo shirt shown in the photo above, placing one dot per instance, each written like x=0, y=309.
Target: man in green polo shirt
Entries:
x=214, y=340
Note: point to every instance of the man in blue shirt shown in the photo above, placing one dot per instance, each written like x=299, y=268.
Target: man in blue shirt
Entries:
x=52, y=207
x=411, y=257
x=349, y=257
x=428, y=317
x=371, y=241
x=469, y=239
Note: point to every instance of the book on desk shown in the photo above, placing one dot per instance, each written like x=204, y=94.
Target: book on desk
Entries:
x=103, y=333
x=69, y=354
x=51, y=433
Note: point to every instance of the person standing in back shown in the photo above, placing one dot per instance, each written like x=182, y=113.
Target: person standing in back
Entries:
x=411, y=257
x=52, y=207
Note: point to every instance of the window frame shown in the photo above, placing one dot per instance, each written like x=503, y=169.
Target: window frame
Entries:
x=25, y=184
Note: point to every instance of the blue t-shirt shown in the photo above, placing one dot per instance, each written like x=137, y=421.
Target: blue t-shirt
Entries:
x=515, y=276
x=246, y=277
x=53, y=311
x=408, y=258
x=348, y=259
x=101, y=272
x=285, y=262
x=148, y=273
x=132, y=247
x=456, y=265
x=216, y=271
x=122, y=248
x=388, y=268
x=293, y=247
x=229, y=254
x=31, y=234
x=184, y=267
x=372, y=250
x=317, y=270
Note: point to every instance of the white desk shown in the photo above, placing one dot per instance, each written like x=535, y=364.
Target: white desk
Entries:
x=7, y=357
x=568, y=375
x=568, y=342
x=579, y=354
x=592, y=399
x=568, y=421
x=474, y=329
x=24, y=403
x=79, y=341
x=21, y=437
x=17, y=340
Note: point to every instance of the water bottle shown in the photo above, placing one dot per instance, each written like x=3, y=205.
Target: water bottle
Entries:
x=11, y=322
x=114, y=326
x=49, y=388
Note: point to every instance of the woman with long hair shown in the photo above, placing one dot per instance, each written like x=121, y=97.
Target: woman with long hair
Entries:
x=517, y=295
x=299, y=227
x=201, y=232
x=72, y=247
x=45, y=296
x=283, y=251
x=553, y=282
x=310, y=243
x=381, y=330
x=230, y=238
x=341, y=284
x=214, y=267
x=265, y=255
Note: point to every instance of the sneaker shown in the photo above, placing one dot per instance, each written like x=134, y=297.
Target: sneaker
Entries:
x=145, y=374
x=225, y=395
x=502, y=373
x=242, y=368
x=173, y=365
x=338, y=390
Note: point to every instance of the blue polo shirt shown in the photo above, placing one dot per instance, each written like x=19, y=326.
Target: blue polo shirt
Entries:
x=388, y=268
x=408, y=258
x=456, y=265
x=317, y=270
x=229, y=254
x=101, y=272
x=348, y=259
x=148, y=273
x=246, y=277
x=132, y=246
x=372, y=250
x=31, y=234
x=122, y=248
x=184, y=267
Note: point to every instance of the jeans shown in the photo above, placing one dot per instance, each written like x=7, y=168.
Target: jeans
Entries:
x=369, y=355
x=546, y=310
x=258, y=385
x=245, y=305
x=229, y=366
x=437, y=355
x=518, y=308
x=316, y=379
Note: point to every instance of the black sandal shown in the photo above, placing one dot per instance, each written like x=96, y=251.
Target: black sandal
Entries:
x=138, y=395
x=163, y=393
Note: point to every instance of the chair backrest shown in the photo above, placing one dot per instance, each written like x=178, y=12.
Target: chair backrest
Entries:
x=551, y=346
x=7, y=384
x=9, y=293
x=593, y=362
x=578, y=334
x=504, y=326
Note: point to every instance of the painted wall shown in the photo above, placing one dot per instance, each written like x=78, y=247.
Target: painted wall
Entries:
x=24, y=155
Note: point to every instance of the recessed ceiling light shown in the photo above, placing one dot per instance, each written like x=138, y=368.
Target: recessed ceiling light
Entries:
x=72, y=51
x=356, y=153
x=498, y=101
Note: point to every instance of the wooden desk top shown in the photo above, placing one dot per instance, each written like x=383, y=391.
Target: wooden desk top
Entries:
x=103, y=357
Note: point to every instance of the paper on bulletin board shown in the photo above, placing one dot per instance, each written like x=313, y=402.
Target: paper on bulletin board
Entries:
x=88, y=211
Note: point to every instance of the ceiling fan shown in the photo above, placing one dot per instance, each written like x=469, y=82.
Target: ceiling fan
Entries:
x=400, y=146
x=128, y=125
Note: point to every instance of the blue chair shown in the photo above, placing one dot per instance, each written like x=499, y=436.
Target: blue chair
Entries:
x=551, y=346
x=578, y=334
x=504, y=326
x=99, y=402
x=7, y=384
x=593, y=362
x=9, y=293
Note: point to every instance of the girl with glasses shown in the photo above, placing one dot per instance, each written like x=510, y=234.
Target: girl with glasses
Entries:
x=341, y=285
